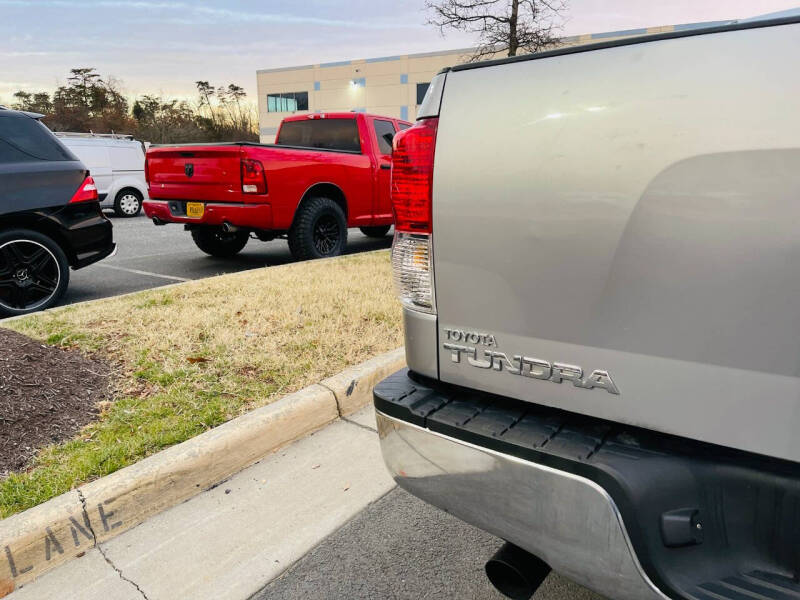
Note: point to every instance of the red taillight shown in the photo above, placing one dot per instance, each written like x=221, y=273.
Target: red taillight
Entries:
x=412, y=176
x=253, y=179
x=87, y=192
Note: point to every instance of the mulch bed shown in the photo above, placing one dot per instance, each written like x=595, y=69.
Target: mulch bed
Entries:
x=46, y=395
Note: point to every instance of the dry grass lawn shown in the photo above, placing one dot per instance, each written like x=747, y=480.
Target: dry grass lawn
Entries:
x=194, y=356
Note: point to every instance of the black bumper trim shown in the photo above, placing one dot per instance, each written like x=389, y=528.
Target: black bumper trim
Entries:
x=749, y=505
x=84, y=260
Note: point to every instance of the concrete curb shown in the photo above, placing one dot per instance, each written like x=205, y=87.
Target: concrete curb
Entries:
x=353, y=387
x=39, y=539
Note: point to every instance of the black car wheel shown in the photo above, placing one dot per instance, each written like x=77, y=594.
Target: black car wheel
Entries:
x=34, y=272
x=214, y=241
x=128, y=203
x=319, y=231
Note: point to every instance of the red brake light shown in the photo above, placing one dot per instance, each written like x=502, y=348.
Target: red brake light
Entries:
x=253, y=179
x=87, y=192
x=412, y=176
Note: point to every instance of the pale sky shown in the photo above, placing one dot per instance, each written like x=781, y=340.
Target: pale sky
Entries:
x=164, y=46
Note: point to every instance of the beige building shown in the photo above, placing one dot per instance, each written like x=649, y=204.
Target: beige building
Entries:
x=391, y=85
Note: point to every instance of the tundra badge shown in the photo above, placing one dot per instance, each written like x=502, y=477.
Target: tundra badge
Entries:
x=525, y=366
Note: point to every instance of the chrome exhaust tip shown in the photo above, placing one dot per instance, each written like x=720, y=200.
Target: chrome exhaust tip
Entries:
x=228, y=228
x=516, y=573
x=158, y=222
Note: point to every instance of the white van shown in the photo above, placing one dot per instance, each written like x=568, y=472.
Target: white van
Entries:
x=117, y=164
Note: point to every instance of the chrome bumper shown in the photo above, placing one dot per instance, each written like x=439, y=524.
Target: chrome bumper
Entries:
x=568, y=521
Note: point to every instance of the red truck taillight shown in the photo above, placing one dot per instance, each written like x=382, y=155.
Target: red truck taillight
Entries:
x=254, y=180
x=412, y=193
x=87, y=192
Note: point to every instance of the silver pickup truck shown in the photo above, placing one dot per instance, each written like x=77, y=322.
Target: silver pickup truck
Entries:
x=598, y=254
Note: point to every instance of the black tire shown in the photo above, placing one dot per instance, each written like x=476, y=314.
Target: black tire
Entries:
x=376, y=232
x=34, y=272
x=319, y=230
x=128, y=203
x=214, y=241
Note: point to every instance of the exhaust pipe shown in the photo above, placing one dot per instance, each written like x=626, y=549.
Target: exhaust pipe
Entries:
x=158, y=222
x=228, y=228
x=516, y=573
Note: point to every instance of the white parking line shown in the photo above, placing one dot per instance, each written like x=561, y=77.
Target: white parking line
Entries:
x=138, y=272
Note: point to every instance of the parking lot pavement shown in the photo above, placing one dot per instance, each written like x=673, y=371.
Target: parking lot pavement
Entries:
x=150, y=256
x=401, y=548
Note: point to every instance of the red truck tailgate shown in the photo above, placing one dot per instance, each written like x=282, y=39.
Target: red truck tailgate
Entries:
x=210, y=173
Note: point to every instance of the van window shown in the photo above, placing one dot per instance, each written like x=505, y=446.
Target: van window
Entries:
x=327, y=134
x=23, y=139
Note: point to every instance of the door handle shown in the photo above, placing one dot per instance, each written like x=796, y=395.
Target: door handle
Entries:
x=386, y=165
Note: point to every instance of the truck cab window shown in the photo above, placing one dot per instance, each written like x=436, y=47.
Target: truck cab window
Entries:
x=325, y=134
x=384, y=131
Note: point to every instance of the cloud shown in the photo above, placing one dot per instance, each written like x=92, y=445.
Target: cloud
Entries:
x=19, y=54
x=192, y=14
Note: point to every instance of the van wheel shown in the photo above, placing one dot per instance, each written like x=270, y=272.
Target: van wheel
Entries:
x=128, y=203
x=376, y=232
x=34, y=272
x=214, y=241
x=319, y=230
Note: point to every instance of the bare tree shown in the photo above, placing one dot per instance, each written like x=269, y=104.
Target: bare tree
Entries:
x=510, y=26
x=206, y=91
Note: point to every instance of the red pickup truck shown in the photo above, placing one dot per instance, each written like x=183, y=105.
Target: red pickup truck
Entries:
x=325, y=173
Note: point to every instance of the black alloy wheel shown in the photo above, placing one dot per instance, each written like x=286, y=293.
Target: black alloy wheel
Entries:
x=326, y=234
x=33, y=273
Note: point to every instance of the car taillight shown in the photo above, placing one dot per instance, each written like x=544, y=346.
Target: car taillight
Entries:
x=87, y=192
x=253, y=178
x=412, y=193
x=412, y=176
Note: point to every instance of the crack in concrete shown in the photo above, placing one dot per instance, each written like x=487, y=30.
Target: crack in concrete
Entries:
x=335, y=397
x=339, y=410
x=367, y=427
x=119, y=572
x=86, y=518
x=102, y=551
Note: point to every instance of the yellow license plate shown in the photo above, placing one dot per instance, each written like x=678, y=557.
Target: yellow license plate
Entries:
x=195, y=209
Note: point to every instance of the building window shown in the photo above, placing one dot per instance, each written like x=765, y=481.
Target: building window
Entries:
x=422, y=89
x=287, y=102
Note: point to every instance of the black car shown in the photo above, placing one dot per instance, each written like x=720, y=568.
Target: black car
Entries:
x=50, y=217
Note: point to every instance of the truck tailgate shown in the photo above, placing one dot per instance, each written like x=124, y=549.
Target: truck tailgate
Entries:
x=618, y=235
x=195, y=173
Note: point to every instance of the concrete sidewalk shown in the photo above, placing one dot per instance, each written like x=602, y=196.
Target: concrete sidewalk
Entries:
x=230, y=541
